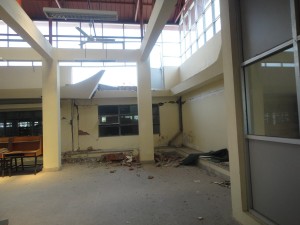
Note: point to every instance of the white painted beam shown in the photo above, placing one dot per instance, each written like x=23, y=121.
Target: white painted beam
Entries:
x=159, y=17
x=15, y=17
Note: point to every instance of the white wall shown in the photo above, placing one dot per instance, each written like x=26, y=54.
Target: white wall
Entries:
x=27, y=77
x=205, y=57
x=204, y=118
x=20, y=77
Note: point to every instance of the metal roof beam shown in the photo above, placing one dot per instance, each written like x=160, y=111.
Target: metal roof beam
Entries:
x=15, y=17
x=159, y=17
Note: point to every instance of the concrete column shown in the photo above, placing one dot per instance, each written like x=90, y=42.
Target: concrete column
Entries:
x=234, y=107
x=144, y=98
x=51, y=116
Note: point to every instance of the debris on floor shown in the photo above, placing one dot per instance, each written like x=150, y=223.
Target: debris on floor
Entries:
x=113, y=157
x=200, y=218
x=150, y=177
x=225, y=183
x=191, y=159
x=171, y=158
x=219, y=156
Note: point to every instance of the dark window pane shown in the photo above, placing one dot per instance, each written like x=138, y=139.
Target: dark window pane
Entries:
x=124, y=118
x=128, y=109
x=129, y=130
x=109, y=131
x=12, y=115
x=20, y=123
x=130, y=119
x=108, y=110
x=2, y=129
x=155, y=110
x=156, y=129
x=155, y=119
x=109, y=119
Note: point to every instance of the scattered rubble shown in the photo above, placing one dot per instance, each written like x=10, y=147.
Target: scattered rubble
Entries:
x=171, y=158
x=225, y=183
x=150, y=177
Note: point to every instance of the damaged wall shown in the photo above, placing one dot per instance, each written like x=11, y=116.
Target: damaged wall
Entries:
x=204, y=118
x=86, y=136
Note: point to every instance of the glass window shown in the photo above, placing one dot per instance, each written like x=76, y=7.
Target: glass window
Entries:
x=21, y=123
x=69, y=28
x=272, y=97
x=43, y=26
x=171, y=49
x=209, y=33
x=113, y=30
x=218, y=25
x=132, y=30
x=132, y=45
x=115, y=120
x=200, y=7
x=200, y=27
x=170, y=34
x=171, y=61
x=217, y=8
x=208, y=16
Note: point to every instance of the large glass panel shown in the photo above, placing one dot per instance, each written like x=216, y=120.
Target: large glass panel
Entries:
x=200, y=27
x=113, y=30
x=128, y=109
x=132, y=30
x=272, y=96
x=208, y=16
x=217, y=8
x=69, y=28
x=171, y=49
x=43, y=26
x=171, y=34
x=129, y=130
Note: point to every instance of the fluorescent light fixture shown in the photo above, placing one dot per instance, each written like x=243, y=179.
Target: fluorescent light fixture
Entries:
x=80, y=14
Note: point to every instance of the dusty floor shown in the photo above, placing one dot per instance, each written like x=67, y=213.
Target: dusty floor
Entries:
x=95, y=195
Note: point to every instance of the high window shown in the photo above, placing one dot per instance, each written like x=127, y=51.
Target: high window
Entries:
x=198, y=24
x=121, y=120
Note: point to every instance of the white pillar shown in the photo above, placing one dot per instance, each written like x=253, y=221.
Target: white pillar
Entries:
x=51, y=116
x=144, y=98
x=234, y=106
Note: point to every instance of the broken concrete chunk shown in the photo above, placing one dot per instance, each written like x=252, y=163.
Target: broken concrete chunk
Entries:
x=200, y=218
x=114, y=157
x=150, y=177
x=225, y=183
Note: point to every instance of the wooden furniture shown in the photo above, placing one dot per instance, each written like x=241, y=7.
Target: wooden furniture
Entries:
x=4, y=146
x=22, y=147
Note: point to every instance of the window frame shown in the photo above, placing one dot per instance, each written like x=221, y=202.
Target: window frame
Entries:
x=118, y=128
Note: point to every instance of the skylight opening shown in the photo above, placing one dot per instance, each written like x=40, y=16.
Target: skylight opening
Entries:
x=116, y=76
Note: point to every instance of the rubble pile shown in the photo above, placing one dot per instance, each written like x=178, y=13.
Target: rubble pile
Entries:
x=167, y=159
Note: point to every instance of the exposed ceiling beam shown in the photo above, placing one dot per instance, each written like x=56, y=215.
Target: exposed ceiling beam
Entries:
x=57, y=2
x=15, y=17
x=137, y=9
x=159, y=17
